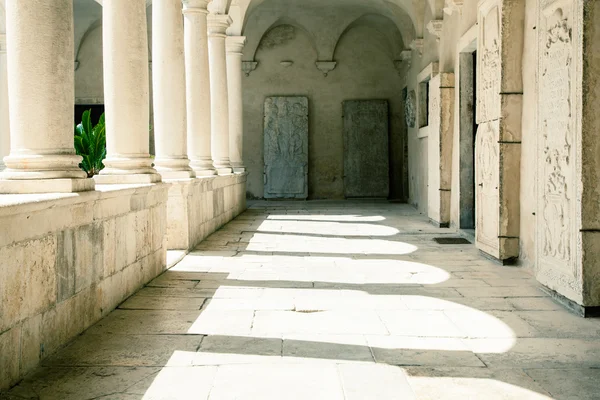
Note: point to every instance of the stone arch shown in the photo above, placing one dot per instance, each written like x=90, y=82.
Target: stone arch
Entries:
x=255, y=41
x=384, y=25
x=406, y=16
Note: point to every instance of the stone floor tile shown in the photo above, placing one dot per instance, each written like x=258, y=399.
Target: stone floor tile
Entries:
x=77, y=383
x=404, y=350
x=491, y=324
x=174, y=292
x=282, y=304
x=337, y=348
x=277, y=382
x=162, y=303
x=163, y=281
x=223, y=322
x=561, y=323
x=458, y=303
x=323, y=322
x=419, y=323
x=537, y=352
x=568, y=384
x=146, y=322
x=223, y=350
x=510, y=291
x=474, y=383
x=534, y=303
x=375, y=381
x=127, y=350
x=316, y=303
x=349, y=303
x=176, y=383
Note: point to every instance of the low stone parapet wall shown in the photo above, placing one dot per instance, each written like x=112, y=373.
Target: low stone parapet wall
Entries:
x=67, y=260
x=198, y=207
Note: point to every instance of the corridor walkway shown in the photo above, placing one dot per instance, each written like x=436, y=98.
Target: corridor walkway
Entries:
x=330, y=300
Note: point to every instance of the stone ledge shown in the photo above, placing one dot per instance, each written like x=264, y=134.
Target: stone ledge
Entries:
x=66, y=255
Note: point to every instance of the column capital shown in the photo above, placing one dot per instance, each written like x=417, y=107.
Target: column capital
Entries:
x=195, y=6
x=218, y=24
x=235, y=44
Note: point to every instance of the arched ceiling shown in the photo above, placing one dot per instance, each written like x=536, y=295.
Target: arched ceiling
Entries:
x=402, y=12
x=326, y=21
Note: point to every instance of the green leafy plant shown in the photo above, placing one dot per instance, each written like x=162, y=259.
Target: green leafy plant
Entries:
x=90, y=143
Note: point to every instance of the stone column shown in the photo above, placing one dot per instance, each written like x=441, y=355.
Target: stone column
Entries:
x=217, y=25
x=168, y=72
x=197, y=87
x=235, y=44
x=4, y=118
x=126, y=93
x=42, y=94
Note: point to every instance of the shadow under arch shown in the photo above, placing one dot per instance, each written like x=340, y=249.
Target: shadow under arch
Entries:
x=252, y=48
x=382, y=24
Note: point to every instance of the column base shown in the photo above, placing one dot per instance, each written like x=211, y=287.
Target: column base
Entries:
x=205, y=172
x=225, y=171
x=239, y=170
x=175, y=175
x=127, y=179
x=37, y=186
x=203, y=167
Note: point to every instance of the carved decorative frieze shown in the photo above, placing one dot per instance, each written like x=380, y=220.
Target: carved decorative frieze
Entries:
x=451, y=6
x=410, y=109
x=326, y=66
x=435, y=27
x=402, y=65
x=488, y=78
x=248, y=67
x=417, y=45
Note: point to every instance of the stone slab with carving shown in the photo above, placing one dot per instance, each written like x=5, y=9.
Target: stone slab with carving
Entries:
x=410, y=109
x=498, y=140
x=366, y=141
x=567, y=261
x=286, y=147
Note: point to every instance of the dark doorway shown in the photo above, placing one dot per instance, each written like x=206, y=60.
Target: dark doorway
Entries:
x=468, y=129
x=97, y=110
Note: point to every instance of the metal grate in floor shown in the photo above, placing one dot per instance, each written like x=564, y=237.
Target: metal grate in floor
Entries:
x=451, y=240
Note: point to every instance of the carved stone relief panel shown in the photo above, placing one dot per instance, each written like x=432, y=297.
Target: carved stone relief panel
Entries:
x=366, y=148
x=487, y=181
x=498, y=112
x=410, y=109
x=557, y=148
x=488, y=77
x=286, y=147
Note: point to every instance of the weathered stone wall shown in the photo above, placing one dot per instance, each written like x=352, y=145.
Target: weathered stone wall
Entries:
x=67, y=261
x=364, y=71
x=198, y=207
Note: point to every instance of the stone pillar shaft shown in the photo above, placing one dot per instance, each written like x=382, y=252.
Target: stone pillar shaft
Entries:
x=4, y=117
x=197, y=87
x=40, y=53
x=217, y=25
x=168, y=71
x=126, y=93
x=235, y=45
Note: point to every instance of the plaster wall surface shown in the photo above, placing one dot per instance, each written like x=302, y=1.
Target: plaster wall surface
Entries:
x=198, y=207
x=364, y=70
x=67, y=261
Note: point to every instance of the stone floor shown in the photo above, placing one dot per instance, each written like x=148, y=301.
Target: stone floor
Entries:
x=330, y=300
